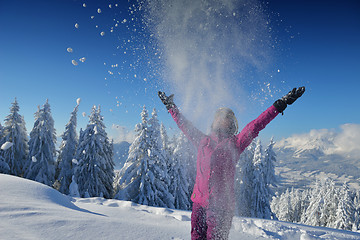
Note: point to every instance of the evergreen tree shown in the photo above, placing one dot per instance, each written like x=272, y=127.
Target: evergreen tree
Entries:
x=4, y=167
x=313, y=212
x=133, y=184
x=255, y=175
x=330, y=203
x=282, y=207
x=345, y=214
x=94, y=173
x=261, y=192
x=158, y=165
x=244, y=182
x=40, y=165
x=144, y=178
x=164, y=139
x=67, y=153
x=15, y=132
x=180, y=179
x=269, y=166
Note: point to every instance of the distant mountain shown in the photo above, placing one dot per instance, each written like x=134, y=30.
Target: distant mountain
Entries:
x=121, y=152
x=320, y=153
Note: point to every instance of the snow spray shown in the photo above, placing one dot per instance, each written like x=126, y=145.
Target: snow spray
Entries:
x=209, y=48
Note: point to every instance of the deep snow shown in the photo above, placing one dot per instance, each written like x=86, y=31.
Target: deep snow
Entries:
x=30, y=210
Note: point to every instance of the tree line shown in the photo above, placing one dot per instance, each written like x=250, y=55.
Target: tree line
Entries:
x=159, y=171
x=324, y=205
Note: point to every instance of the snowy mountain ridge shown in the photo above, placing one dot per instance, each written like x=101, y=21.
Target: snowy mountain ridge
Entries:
x=344, y=143
x=31, y=210
x=319, y=154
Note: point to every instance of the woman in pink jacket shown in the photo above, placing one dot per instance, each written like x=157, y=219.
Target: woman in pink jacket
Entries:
x=213, y=195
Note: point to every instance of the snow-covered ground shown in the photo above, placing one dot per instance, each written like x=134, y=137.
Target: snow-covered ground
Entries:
x=30, y=210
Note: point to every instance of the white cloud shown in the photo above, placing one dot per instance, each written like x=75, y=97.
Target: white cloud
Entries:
x=121, y=133
x=345, y=142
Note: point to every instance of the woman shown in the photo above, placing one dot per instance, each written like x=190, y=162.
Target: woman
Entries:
x=213, y=195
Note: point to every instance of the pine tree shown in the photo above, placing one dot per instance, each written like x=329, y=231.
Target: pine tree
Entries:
x=94, y=173
x=133, y=180
x=330, y=203
x=144, y=178
x=284, y=211
x=15, y=132
x=346, y=211
x=40, y=165
x=244, y=182
x=158, y=165
x=261, y=191
x=269, y=166
x=67, y=153
x=313, y=212
x=4, y=167
x=180, y=179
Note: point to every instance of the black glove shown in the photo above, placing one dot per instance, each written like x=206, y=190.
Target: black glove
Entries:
x=288, y=99
x=167, y=101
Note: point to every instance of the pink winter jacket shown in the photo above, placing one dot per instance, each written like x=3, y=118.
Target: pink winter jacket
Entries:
x=217, y=158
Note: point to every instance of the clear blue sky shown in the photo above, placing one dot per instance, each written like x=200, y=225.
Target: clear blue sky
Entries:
x=319, y=48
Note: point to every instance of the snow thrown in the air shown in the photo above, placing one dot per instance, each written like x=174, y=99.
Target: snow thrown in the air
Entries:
x=6, y=146
x=31, y=210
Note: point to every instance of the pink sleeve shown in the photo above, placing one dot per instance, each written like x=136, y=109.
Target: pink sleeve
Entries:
x=192, y=133
x=252, y=129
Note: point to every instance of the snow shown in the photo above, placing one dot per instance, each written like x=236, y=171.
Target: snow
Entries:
x=99, y=10
x=76, y=25
x=102, y=33
x=31, y=210
x=6, y=146
x=74, y=62
x=82, y=59
x=70, y=50
x=78, y=101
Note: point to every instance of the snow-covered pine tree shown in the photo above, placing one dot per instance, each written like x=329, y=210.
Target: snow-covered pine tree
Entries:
x=281, y=206
x=330, y=203
x=261, y=192
x=158, y=165
x=313, y=212
x=40, y=164
x=4, y=167
x=290, y=205
x=179, y=174
x=298, y=203
x=269, y=166
x=144, y=178
x=15, y=132
x=356, y=225
x=244, y=182
x=67, y=153
x=345, y=212
x=164, y=138
x=133, y=178
x=167, y=147
x=94, y=173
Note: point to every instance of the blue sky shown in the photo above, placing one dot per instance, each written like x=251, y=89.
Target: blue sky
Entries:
x=317, y=46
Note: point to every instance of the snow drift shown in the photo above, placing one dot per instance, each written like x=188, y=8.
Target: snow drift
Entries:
x=31, y=210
